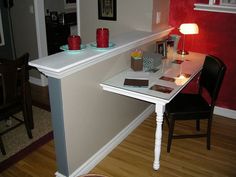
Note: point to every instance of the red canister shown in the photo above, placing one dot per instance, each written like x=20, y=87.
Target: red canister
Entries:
x=74, y=42
x=102, y=37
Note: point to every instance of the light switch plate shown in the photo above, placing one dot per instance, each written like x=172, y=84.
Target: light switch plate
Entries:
x=158, y=17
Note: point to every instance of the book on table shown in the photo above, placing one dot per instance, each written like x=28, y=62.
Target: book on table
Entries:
x=136, y=79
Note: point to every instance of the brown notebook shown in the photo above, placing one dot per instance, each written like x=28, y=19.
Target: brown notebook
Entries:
x=136, y=82
x=165, y=78
x=161, y=88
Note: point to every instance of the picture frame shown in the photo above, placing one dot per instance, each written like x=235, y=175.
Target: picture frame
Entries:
x=2, y=41
x=161, y=48
x=107, y=10
x=228, y=2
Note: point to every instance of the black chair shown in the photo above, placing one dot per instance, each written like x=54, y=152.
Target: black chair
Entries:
x=15, y=95
x=186, y=106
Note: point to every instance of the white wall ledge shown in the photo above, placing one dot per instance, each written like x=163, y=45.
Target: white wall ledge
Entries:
x=64, y=63
x=215, y=8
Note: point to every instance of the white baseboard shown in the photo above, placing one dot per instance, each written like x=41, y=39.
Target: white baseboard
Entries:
x=229, y=113
x=105, y=150
x=37, y=81
x=57, y=174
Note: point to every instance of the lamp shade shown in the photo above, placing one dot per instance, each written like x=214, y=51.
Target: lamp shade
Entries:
x=189, y=28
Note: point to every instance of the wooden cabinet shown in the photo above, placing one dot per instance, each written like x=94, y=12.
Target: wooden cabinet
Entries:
x=57, y=35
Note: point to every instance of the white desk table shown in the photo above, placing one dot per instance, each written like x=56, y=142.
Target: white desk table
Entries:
x=191, y=64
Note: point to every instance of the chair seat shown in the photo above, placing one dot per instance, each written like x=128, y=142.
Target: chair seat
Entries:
x=188, y=106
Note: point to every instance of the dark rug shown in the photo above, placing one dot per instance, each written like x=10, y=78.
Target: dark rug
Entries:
x=17, y=143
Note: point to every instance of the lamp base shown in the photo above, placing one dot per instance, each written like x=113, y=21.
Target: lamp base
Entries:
x=182, y=52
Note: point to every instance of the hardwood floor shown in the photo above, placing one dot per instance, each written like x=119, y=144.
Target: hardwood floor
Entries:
x=188, y=157
x=40, y=163
x=134, y=156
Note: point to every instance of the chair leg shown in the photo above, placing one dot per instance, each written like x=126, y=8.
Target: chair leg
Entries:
x=170, y=136
x=26, y=121
x=2, y=147
x=198, y=125
x=26, y=109
x=28, y=102
x=209, y=133
x=30, y=115
x=167, y=120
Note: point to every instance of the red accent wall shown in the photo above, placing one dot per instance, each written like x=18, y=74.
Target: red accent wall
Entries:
x=217, y=36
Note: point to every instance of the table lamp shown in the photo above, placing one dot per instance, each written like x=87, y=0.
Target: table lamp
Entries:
x=186, y=29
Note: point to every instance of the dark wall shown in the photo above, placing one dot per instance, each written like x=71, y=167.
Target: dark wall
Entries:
x=217, y=36
x=7, y=50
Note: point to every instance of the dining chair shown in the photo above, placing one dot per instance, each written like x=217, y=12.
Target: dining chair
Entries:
x=197, y=106
x=15, y=95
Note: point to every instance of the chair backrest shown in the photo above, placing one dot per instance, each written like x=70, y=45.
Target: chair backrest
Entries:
x=8, y=82
x=14, y=73
x=211, y=77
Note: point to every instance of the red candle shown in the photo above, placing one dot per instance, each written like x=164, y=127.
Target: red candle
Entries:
x=102, y=37
x=74, y=42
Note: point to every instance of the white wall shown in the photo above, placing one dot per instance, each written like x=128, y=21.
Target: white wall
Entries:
x=131, y=14
x=161, y=7
x=24, y=29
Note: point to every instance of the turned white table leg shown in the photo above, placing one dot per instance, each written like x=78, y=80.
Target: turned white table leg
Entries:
x=158, y=135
